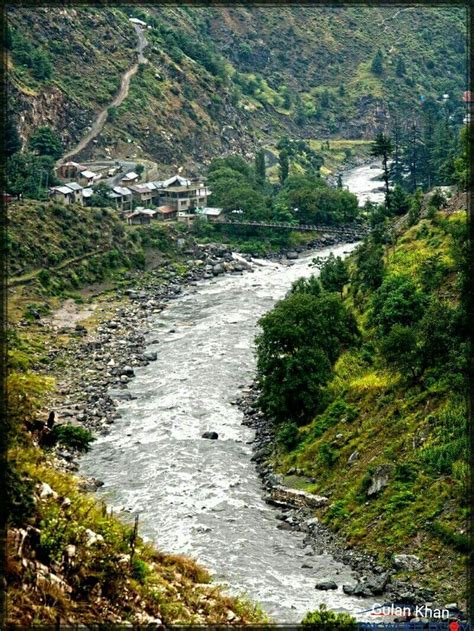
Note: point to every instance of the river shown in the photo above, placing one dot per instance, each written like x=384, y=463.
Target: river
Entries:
x=203, y=497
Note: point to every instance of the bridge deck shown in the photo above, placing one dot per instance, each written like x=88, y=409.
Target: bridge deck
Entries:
x=349, y=230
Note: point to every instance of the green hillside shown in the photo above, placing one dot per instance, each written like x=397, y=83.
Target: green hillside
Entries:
x=388, y=443
x=224, y=79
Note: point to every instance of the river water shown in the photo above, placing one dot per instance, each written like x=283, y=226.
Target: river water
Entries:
x=203, y=497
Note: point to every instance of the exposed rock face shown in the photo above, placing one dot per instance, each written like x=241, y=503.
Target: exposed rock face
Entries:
x=50, y=108
x=296, y=498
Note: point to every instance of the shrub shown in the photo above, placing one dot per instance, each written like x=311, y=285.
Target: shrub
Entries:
x=72, y=437
x=139, y=570
x=288, y=435
x=44, y=277
x=325, y=617
x=19, y=499
x=327, y=455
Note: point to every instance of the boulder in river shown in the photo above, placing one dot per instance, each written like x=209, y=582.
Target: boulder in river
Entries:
x=326, y=585
x=211, y=435
x=291, y=256
x=151, y=356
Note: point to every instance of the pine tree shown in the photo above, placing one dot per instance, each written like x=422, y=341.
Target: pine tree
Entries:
x=396, y=168
x=300, y=113
x=413, y=154
x=400, y=68
x=382, y=147
x=12, y=139
x=377, y=63
x=284, y=166
x=325, y=99
x=399, y=202
x=260, y=167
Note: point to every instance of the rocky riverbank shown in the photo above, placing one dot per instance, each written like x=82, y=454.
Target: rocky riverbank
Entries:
x=93, y=371
x=297, y=513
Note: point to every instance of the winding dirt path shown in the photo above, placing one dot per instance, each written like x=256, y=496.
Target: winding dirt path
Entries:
x=121, y=95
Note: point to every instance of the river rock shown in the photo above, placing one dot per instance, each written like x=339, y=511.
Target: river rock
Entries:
x=297, y=498
x=210, y=435
x=326, y=585
x=379, y=480
x=120, y=394
x=151, y=356
x=291, y=256
x=353, y=457
x=128, y=371
x=408, y=562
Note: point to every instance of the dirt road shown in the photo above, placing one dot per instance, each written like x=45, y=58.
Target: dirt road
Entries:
x=122, y=94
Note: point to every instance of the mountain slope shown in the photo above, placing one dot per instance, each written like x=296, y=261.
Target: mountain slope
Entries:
x=223, y=79
x=388, y=445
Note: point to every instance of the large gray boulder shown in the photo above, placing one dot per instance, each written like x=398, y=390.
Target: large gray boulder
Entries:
x=211, y=435
x=408, y=562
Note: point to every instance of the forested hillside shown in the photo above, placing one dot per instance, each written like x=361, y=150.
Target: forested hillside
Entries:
x=225, y=79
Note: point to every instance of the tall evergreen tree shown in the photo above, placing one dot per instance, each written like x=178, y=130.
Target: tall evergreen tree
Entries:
x=300, y=112
x=400, y=67
x=413, y=155
x=260, y=166
x=284, y=166
x=377, y=63
x=383, y=148
x=12, y=139
x=396, y=168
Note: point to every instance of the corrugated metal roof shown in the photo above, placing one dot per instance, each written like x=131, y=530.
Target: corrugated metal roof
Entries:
x=62, y=189
x=130, y=176
x=74, y=186
x=122, y=190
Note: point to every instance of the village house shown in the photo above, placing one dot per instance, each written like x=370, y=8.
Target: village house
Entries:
x=88, y=178
x=130, y=178
x=77, y=190
x=141, y=192
x=63, y=194
x=182, y=194
x=211, y=213
x=70, y=169
x=141, y=216
x=167, y=213
x=122, y=197
x=86, y=195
